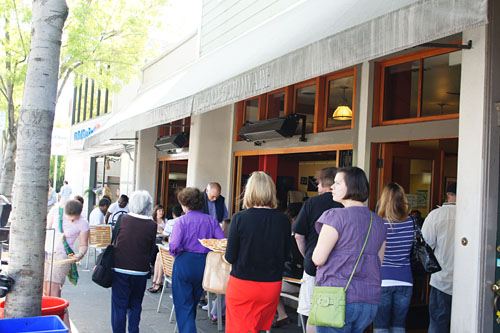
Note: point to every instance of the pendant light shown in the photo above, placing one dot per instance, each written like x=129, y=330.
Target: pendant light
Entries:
x=342, y=112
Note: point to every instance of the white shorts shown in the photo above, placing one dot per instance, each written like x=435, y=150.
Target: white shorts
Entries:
x=305, y=294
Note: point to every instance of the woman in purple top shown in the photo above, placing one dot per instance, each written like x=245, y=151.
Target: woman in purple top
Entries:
x=190, y=256
x=342, y=233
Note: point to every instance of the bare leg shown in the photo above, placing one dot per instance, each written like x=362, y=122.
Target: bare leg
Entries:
x=55, y=289
x=158, y=277
x=281, y=310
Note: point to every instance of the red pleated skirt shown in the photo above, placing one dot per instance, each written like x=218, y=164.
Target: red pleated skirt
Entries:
x=250, y=305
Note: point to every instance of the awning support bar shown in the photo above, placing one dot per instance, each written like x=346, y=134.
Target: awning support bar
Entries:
x=467, y=46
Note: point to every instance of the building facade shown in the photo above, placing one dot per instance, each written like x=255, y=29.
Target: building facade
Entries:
x=419, y=78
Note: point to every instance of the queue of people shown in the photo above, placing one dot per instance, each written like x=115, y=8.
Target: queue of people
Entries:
x=318, y=241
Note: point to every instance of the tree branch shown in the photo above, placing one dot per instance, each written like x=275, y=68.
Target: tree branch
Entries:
x=3, y=89
x=66, y=77
x=20, y=33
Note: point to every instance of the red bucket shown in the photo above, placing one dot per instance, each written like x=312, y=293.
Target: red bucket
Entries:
x=50, y=306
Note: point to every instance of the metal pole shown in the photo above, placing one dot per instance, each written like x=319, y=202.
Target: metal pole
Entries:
x=51, y=258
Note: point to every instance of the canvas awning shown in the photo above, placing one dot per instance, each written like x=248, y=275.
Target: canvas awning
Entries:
x=309, y=39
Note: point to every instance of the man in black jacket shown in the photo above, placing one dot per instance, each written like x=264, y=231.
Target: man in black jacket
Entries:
x=307, y=237
x=214, y=202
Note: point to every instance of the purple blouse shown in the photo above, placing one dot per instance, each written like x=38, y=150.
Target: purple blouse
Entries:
x=352, y=225
x=189, y=228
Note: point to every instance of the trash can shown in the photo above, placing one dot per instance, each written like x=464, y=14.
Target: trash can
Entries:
x=46, y=324
x=50, y=306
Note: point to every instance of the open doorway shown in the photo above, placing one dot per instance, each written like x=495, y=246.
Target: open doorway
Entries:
x=293, y=173
x=424, y=169
x=171, y=178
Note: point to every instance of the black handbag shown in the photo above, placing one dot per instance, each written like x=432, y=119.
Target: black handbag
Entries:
x=422, y=258
x=103, y=270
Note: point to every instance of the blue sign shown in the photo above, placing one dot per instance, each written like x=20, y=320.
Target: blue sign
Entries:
x=84, y=133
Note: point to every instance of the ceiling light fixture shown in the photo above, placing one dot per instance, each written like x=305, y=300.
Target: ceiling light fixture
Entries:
x=342, y=112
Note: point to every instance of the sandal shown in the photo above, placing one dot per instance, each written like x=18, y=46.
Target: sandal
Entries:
x=155, y=288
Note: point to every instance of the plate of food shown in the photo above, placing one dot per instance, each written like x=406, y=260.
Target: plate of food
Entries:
x=218, y=245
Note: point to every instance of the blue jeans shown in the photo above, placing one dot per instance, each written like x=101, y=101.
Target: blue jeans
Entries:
x=439, y=311
x=392, y=310
x=127, y=292
x=357, y=317
x=187, y=276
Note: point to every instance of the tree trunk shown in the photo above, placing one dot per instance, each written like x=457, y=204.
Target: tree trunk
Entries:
x=36, y=117
x=8, y=167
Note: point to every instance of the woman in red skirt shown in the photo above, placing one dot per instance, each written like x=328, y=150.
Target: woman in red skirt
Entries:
x=258, y=246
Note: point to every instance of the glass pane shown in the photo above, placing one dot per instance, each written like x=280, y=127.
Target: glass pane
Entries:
x=340, y=93
x=276, y=105
x=252, y=110
x=441, y=84
x=401, y=91
x=304, y=104
x=177, y=176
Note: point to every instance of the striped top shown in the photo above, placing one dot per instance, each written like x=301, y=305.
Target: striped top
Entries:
x=396, y=269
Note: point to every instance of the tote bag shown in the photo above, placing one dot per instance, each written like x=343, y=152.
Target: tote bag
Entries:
x=216, y=273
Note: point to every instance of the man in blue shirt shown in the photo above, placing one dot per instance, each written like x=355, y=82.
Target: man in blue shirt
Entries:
x=214, y=202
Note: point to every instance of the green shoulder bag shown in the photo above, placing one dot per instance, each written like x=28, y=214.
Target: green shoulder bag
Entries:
x=328, y=303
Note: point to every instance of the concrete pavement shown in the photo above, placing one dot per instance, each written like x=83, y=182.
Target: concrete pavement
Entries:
x=90, y=310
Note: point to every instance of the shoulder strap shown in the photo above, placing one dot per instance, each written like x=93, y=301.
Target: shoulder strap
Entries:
x=116, y=229
x=362, y=250
x=61, y=212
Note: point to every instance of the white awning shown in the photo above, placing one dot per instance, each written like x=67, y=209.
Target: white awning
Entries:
x=309, y=39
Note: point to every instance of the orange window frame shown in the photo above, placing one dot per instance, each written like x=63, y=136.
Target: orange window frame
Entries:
x=339, y=75
x=312, y=82
x=288, y=100
x=378, y=105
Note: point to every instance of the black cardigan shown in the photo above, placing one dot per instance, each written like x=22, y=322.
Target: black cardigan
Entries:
x=258, y=244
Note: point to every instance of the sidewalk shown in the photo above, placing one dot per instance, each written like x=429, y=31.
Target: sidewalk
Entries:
x=90, y=310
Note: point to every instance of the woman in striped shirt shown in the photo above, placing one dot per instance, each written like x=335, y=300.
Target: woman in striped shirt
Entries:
x=397, y=280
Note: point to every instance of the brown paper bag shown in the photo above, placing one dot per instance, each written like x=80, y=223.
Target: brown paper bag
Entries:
x=216, y=273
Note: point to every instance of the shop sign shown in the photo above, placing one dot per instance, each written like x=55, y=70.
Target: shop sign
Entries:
x=85, y=132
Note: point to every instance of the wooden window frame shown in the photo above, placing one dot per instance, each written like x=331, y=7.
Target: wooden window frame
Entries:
x=334, y=76
x=378, y=105
x=287, y=107
x=295, y=87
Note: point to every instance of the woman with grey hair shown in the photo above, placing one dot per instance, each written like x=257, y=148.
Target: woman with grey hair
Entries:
x=134, y=245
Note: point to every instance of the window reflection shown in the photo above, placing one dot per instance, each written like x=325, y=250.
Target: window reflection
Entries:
x=304, y=104
x=252, y=110
x=441, y=84
x=401, y=91
x=276, y=105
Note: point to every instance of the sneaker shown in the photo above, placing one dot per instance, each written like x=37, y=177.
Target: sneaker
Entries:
x=205, y=307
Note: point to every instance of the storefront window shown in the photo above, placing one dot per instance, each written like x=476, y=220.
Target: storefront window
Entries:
x=276, y=105
x=401, y=91
x=340, y=97
x=305, y=100
x=441, y=84
x=252, y=110
x=419, y=85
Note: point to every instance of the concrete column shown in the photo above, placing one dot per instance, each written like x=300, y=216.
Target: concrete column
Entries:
x=471, y=185
x=210, y=149
x=363, y=116
x=146, y=161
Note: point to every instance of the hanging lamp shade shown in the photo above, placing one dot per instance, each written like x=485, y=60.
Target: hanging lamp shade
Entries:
x=342, y=112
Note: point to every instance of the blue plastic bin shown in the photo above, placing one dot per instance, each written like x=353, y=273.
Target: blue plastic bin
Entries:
x=43, y=324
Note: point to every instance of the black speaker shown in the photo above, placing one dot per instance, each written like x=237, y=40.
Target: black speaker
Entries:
x=171, y=142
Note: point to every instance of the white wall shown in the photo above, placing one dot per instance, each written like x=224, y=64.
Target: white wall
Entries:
x=467, y=275
x=210, y=157
x=146, y=160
